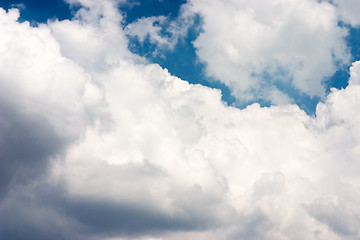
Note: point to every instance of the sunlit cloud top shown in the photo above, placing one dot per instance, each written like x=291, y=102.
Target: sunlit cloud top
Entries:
x=179, y=119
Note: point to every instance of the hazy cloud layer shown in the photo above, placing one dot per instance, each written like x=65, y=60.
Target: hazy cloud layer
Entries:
x=98, y=144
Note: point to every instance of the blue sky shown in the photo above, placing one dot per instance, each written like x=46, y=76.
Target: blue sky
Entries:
x=197, y=119
x=182, y=61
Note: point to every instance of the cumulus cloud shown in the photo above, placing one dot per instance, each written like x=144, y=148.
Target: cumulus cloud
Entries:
x=36, y=79
x=250, y=46
x=99, y=144
x=348, y=11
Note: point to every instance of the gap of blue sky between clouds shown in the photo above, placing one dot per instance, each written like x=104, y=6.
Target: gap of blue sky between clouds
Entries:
x=182, y=60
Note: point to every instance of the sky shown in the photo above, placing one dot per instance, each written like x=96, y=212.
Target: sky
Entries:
x=159, y=119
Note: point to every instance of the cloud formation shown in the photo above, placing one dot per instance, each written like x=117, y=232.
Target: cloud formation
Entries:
x=348, y=10
x=263, y=46
x=162, y=31
x=96, y=143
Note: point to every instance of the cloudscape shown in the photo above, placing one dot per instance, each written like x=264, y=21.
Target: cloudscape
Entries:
x=154, y=120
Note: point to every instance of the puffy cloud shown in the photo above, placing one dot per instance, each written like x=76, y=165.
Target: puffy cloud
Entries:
x=284, y=44
x=36, y=79
x=348, y=10
x=99, y=144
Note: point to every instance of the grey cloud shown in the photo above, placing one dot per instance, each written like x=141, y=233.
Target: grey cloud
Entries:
x=105, y=218
x=253, y=226
x=33, y=212
x=46, y=211
x=27, y=141
x=334, y=212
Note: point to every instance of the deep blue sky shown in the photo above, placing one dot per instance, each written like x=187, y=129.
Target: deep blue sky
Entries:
x=40, y=10
x=182, y=61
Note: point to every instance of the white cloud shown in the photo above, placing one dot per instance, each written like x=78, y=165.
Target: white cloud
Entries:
x=149, y=27
x=94, y=39
x=348, y=11
x=148, y=155
x=249, y=45
x=160, y=30
x=36, y=79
